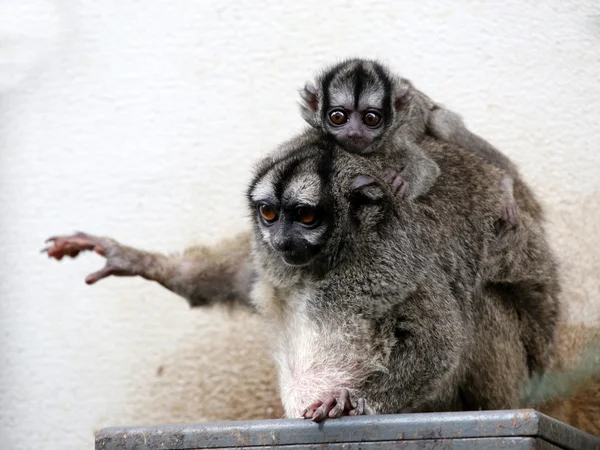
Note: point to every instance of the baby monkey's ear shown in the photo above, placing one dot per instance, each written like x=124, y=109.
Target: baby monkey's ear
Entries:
x=309, y=104
x=310, y=96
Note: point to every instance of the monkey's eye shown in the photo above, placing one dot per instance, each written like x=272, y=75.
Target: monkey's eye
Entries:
x=371, y=119
x=338, y=117
x=307, y=215
x=267, y=213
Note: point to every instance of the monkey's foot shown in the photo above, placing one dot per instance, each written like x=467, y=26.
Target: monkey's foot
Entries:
x=399, y=184
x=120, y=260
x=510, y=214
x=335, y=407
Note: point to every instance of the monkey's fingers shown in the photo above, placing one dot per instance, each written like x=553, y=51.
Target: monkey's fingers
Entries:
x=361, y=408
x=310, y=410
x=343, y=406
x=74, y=244
x=399, y=184
x=64, y=247
x=105, y=272
x=510, y=213
x=323, y=411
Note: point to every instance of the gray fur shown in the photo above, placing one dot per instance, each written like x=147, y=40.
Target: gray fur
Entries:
x=420, y=306
x=408, y=116
x=433, y=306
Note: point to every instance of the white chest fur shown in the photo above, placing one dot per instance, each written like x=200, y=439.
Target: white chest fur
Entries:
x=315, y=357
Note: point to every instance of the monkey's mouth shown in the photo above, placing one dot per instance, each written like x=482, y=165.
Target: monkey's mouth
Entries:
x=297, y=258
x=356, y=145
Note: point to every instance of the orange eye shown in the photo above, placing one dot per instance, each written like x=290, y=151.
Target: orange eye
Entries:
x=338, y=117
x=267, y=213
x=371, y=119
x=307, y=215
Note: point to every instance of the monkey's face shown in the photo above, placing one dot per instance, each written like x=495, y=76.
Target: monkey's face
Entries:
x=354, y=117
x=293, y=230
x=290, y=216
x=308, y=206
x=355, y=130
x=353, y=103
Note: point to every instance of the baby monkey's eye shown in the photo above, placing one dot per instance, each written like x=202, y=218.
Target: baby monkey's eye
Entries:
x=306, y=215
x=371, y=119
x=338, y=117
x=268, y=213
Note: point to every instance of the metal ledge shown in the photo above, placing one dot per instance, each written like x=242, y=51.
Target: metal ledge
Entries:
x=516, y=429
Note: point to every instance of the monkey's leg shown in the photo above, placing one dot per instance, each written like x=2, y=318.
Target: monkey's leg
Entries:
x=423, y=371
x=201, y=275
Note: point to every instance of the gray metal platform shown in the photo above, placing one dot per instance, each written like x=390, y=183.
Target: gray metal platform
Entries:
x=514, y=429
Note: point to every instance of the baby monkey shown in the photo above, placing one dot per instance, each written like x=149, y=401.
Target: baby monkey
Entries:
x=367, y=110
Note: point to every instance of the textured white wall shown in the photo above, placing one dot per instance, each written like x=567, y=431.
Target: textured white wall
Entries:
x=140, y=120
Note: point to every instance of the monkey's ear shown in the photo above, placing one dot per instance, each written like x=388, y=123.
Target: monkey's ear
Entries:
x=369, y=204
x=310, y=97
x=364, y=189
x=310, y=104
x=401, y=93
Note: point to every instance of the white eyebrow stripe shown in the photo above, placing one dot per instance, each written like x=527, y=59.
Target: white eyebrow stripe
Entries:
x=305, y=190
x=264, y=189
x=339, y=96
x=371, y=97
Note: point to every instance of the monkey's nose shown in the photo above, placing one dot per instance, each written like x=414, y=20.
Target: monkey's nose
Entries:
x=283, y=245
x=353, y=133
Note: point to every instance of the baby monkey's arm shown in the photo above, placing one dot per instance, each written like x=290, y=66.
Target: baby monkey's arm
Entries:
x=202, y=275
x=417, y=172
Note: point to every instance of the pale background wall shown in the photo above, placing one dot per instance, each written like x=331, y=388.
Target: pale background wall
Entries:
x=140, y=120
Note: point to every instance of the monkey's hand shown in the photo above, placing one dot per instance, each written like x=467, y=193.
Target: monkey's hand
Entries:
x=399, y=184
x=335, y=407
x=418, y=174
x=120, y=260
x=223, y=273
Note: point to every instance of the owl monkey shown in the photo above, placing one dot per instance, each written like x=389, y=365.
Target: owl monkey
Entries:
x=375, y=305
x=366, y=108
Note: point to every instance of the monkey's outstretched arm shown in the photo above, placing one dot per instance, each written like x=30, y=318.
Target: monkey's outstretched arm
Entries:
x=202, y=275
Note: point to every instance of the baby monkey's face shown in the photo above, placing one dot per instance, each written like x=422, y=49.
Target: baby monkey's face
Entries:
x=355, y=130
x=355, y=102
x=354, y=119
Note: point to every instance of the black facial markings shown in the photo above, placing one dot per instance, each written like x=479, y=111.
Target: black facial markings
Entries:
x=359, y=77
x=387, y=92
x=326, y=83
x=288, y=163
x=267, y=164
x=286, y=173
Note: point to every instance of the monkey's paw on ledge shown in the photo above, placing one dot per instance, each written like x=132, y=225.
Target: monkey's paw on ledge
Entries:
x=515, y=429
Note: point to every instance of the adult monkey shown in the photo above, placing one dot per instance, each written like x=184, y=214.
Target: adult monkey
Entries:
x=376, y=306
